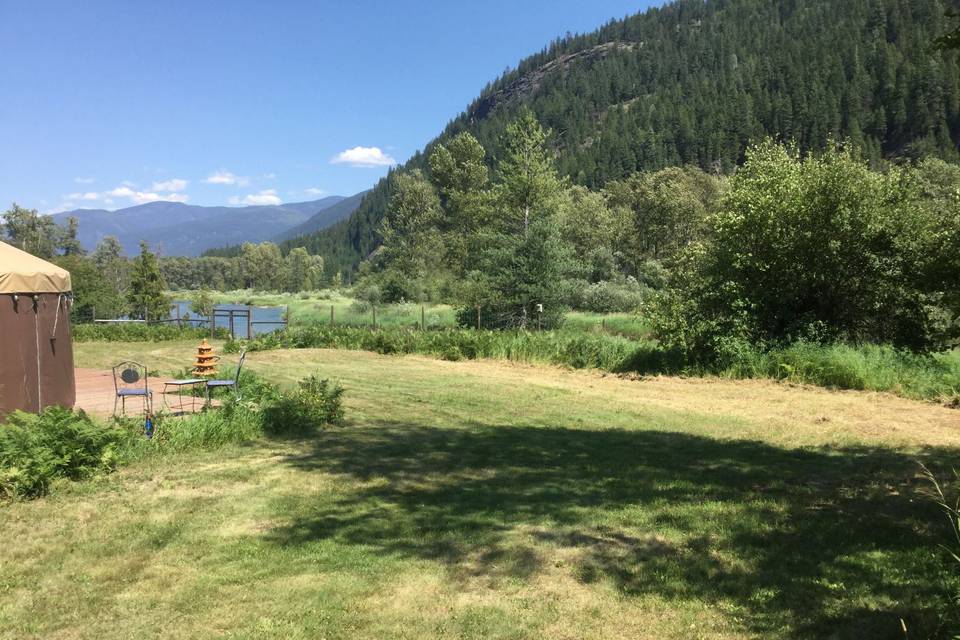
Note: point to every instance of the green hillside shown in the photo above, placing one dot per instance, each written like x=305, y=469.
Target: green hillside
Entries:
x=695, y=82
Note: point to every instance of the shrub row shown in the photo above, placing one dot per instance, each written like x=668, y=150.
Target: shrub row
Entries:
x=866, y=367
x=571, y=348
x=140, y=332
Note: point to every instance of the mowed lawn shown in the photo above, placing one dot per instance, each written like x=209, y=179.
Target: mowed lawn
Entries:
x=494, y=500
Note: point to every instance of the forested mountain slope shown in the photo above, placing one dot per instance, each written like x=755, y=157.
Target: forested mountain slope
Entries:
x=695, y=82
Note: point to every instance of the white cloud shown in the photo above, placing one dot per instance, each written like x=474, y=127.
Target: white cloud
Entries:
x=121, y=192
x=141, y=197
x=90, y=195
x=265, y=197
x=269, y=176
x=364, y=157
x=313, y=191
x=174, y=184
x=225, y=177
x=138, y=197
x=84, y=180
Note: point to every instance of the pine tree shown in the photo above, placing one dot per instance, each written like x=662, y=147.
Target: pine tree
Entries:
x=523, y=268
x=529, y=184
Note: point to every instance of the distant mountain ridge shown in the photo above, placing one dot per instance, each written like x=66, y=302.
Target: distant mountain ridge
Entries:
x=178, y=229
x=324, y=217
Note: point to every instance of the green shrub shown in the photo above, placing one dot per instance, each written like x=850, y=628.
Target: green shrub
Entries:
x=57, y=443
x=315, y=403
x=611, y=297
x=140, y=332
x=818, y=248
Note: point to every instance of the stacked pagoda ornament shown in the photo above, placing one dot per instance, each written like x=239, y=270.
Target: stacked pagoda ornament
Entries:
x=206, y=364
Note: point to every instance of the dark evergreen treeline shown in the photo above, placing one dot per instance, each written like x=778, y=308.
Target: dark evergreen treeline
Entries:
x=694, y=82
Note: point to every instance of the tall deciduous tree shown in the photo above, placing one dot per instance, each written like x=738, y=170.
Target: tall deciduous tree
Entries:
x=69, y=243
x=594, y=231
x=412, y=249
x=34, y=233
x=665, y=210
x=305, y=272
x=459, y=171
x=111, y=263
x=263, y=266
x=92, y=293
x=146, y=297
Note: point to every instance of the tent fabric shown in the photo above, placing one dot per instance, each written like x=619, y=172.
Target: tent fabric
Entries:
x=36, y=353
x=21, y=272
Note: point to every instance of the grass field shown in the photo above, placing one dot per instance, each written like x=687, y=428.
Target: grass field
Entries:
x=628, y=325
x=314, y=307
x=483, y=499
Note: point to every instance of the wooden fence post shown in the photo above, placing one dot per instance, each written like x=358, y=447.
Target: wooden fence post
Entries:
x=249, y=322
x=332, y=321
x=374, y=317
x=423, y=318
x=213, y=316
x=478, y=317
x=232, y=335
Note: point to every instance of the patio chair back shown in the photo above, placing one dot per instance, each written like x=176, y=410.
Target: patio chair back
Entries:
x=130, y=380
x=129, y=375
x=236, y=378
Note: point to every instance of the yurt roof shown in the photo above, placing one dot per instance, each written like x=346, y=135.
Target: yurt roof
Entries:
x=21, y=272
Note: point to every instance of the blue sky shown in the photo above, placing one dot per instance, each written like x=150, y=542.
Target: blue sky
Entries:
x=107, y=104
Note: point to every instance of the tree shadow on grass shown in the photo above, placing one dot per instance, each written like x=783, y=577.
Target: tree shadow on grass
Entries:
x=831, y=542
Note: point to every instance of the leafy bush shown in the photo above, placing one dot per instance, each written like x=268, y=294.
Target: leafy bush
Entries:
x=611, y=297
x=315, y=403
x=815, y=249
x=140, y=332
x=57, y=443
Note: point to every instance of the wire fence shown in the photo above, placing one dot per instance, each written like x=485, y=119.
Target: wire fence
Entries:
x=239, y=320
x=247, y=321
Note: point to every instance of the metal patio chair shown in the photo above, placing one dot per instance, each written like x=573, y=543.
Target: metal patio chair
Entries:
x=130, y=381
x=233, y=384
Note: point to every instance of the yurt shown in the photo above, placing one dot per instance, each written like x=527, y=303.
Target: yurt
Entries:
x=36, y=354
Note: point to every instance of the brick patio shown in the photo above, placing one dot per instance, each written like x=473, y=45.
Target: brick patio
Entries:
x=95, y=394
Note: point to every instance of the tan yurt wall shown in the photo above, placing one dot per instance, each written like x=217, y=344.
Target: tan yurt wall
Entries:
x=36, y=351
